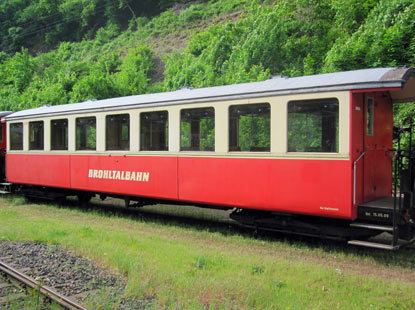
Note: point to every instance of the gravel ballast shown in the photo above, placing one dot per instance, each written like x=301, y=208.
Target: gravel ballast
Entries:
x=68, y=274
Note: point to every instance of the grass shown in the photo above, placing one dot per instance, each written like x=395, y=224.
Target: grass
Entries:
x=183, y=266
x=33, y=300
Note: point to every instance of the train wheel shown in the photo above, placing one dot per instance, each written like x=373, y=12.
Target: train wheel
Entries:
x=84, y=199
x=60, y=200
x=127, y=201
x=31, y=199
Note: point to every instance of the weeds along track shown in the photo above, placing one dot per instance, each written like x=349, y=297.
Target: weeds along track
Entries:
x=15, y=286
x=51, y=266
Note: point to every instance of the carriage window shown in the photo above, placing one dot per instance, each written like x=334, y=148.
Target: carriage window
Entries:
x=118, y=132
x=369, y=116
x=197, y=129
x=1, y=132
x=59, y=134
x=86, y=133
x=36, y=135
x=249, y=128
x=16, y=136
x=313, y=125
x=154, y=128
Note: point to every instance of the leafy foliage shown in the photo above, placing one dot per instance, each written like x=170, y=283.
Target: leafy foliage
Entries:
x=386, y=38
x=288, y=38
x=26, y=23
x=109, y=48
x=134, y=71
x=48, y=79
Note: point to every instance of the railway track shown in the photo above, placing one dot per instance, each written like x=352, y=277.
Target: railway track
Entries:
x=73, y=276
x=15, y=286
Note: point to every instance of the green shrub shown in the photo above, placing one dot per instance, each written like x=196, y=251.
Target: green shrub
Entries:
x=134, y=70
x=386, y=38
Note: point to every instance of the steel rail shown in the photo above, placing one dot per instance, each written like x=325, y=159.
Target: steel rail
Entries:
x=61, y=300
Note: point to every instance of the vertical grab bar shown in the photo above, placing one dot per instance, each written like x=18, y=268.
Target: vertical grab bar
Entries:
x=354, y=176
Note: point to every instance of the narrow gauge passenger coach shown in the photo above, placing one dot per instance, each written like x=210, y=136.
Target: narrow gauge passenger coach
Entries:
x=301, y=154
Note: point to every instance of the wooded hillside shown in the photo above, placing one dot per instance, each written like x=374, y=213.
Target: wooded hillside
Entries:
x=56, y=52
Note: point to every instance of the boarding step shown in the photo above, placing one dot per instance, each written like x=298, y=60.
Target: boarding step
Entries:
x=372, y=226
x=374, y=245
x=378, y=210
x=5, y=188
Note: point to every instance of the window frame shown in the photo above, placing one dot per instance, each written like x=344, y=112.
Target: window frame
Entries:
x=21, y=138
x=37, y=144
x=199, y=137
x=370, y=116
x=85, y=148
x=236, y=137
x=328, y=100
x=52, y=133
x=119, y=134
x=143, y=132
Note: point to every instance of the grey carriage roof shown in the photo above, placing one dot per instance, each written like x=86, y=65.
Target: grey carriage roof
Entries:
x=3, y=113
x=348, y=80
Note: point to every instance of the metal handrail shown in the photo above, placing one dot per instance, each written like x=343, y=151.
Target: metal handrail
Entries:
x=354, y=175
x=396, y=196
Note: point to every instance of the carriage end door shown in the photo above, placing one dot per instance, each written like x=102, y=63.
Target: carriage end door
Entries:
x=377, y=139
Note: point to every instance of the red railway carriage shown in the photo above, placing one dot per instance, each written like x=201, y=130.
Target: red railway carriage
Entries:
x=309, y=155
x=3, y=144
